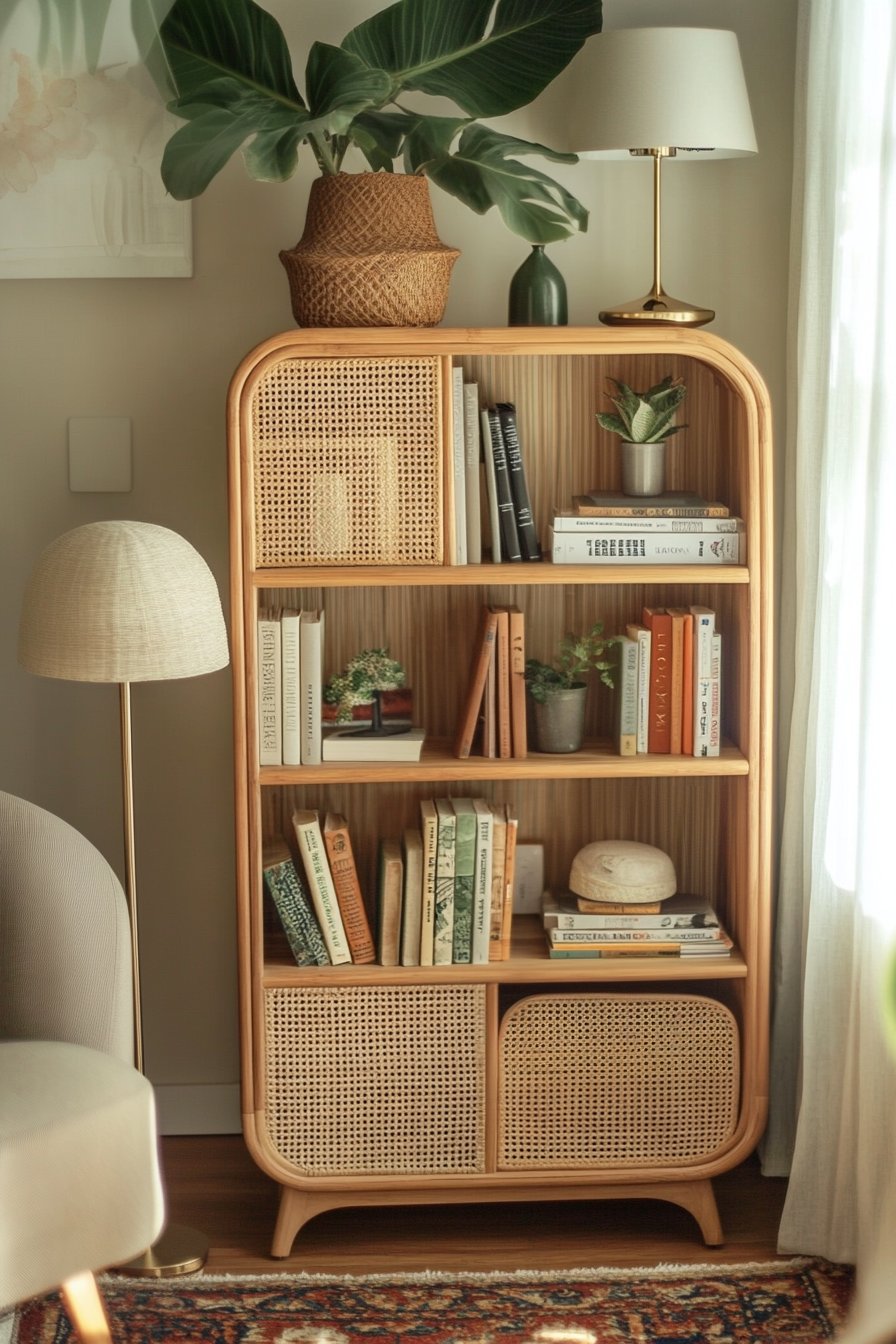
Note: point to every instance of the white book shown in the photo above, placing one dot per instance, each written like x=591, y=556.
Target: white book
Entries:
x=482, y=881
x=270, y=714
x=460, y=466
x=715, y=696
x=704, y=628
x=306, y=824
x=443, y=936
x=429, y=832
x=311, y=653
x=644, y=548
x=641, y=634
x=412, y=897
x=347, y=744
x=627, y=698
x=582, y=522
x=290, y=687
x=491, y=486
x=471, y=472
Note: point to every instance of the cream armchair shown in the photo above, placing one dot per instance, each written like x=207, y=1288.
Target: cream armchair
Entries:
x=80, y=1187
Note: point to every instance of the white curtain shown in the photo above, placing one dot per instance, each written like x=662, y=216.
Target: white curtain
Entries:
x=833, y=1119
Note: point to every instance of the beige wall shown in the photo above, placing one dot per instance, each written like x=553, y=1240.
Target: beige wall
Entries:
x=162, y=352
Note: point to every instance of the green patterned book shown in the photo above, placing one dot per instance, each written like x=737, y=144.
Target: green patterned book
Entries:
x=464, y=870
x=287, y=891
x=443, y=941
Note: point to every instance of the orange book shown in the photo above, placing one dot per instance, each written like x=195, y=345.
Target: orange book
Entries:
x=687, y=679
x=482, y=651
x=676, y=616
x=517, y=684
x=659, y=726
x=502, y=682
x=338, y=845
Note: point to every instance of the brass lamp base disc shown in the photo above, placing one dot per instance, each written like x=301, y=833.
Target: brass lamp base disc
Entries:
x=178, y=1250
x=659, y=308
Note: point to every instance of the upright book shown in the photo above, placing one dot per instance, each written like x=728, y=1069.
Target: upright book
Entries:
x=502, y=684
x=517, y=631
x=429, y=835
x=493, y=512
x=482, y=881
x=291, y=694
x=659, y=728
x=641, y=635
x=311, y=653
x=473, y=456
x=389, y=895
x=270, y=721
x=496, y=902
x=519, y=487
x=306, y=824
x=510, y=538
x=459, y=458
x=344, y=872
x=443, y=938
x=627, y=698
x=289, y=895
x=483, y=649
x=464, y=878
x=412, y=896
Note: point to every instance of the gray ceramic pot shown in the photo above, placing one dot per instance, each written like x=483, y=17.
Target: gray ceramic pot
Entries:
x=559, y=723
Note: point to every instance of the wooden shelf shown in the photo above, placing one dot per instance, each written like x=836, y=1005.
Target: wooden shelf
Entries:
x=538, y=574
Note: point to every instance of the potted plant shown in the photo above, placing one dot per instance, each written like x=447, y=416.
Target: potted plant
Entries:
x=644, y=421
x=558, y=690
x=361, y=682
x=231, y=72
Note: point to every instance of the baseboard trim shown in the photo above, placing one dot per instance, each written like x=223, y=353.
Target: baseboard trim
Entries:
x=199, y=1109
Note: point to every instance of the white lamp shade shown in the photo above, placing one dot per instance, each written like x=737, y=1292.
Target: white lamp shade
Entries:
x=649, y=88
x=119, y=602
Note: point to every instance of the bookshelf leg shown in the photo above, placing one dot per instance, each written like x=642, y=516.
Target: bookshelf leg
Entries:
x=698, y=1197
x=296, y=1207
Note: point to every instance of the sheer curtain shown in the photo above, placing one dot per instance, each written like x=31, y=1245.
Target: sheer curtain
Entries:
x=833, y=1118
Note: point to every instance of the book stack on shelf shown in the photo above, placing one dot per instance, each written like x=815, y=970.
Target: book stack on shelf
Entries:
x=670, y=683
x=667, y=529
x=489, y=479
x=444, y=889
x=679, y=926
x=493, y=713
x=295, y=727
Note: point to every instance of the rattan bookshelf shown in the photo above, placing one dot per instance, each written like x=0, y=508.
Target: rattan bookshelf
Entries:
x=529, y=1078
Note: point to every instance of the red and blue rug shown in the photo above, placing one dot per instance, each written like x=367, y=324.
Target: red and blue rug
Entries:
x=801, y=1301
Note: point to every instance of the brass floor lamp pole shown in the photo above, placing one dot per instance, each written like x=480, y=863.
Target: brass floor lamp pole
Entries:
x=657, y=306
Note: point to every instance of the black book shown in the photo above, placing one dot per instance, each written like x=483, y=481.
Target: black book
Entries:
x=519, y=489
x=510, y=539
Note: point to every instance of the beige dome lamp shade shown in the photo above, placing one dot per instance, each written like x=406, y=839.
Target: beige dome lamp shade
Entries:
x=122, y=602
x=660, y=93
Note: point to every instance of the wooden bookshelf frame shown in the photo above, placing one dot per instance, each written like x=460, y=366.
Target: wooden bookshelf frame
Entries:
x=713, y=814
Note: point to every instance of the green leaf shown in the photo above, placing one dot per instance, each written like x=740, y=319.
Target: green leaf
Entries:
x=379, y=136
x=339, y=86
x=481, y=174
x=444, y=47
x=199, y=150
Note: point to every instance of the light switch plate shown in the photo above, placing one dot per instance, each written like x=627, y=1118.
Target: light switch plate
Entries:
x=99, y=453
x=528, y=879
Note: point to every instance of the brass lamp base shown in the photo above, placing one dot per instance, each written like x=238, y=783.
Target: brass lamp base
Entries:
x=658, y=307
x=178, y=1250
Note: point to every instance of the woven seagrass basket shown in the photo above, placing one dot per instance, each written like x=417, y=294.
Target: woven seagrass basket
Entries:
x=370, y=255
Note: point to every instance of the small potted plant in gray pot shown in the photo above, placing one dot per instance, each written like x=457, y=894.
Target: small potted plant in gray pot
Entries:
x=558, y=690
x=644, y=421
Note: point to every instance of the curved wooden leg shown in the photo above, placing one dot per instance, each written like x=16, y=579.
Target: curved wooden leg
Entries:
x=85, y=1309
x=296, y=1207
x=698, y=1197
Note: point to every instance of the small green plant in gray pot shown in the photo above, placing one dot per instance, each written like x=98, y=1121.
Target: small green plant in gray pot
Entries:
x=644, y=421
x=558, y=690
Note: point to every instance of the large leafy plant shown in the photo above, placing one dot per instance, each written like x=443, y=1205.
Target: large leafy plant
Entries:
x=232, y=74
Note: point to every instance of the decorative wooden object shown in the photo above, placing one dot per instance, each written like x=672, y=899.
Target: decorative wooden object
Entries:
x=372, y=1085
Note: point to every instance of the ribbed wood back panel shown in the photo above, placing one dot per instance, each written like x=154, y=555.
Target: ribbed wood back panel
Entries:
x=608, y=1080
x=377, y=1080
x=346, y=462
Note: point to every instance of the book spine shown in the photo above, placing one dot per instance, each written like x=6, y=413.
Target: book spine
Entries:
x=641, y=635
x=311, y=634
x=580, y=522
x=659, y=731
x=518, y=740
x=570, y=937
x=286, y=890
x=687, y=688
x=715, y=696
x=482, y=885
x=483, y=652
x=491, y=486
x=411, y=905
x=443, y=939
x=627, y=706
x=344, y=873
x=510, y=540
x=270, y=749
x=676, y=683
x=472, y=456
x=320, y=883
x=704, y=628
x=464, y=874
x=587, y=506
x=290, y=689
x=510, y=844
x=562, y=919
x=459, y=466
x=389, y=890
x=429, y=831
x=496, y=900
x=644, y=548
x=519, y=488
x=502, y=684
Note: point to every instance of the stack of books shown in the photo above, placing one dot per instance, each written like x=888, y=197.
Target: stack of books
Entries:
x=680, y=926
x=670, y=529
x=493, y=715
x=669, y=683
x=444, y=889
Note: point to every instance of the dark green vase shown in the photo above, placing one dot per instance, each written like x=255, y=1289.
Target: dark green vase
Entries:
x=537, y=293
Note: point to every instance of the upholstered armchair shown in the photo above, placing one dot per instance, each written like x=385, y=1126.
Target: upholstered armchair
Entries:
x=80, y=1187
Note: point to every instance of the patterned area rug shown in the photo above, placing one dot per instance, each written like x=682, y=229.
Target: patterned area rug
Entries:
x=788, y=1302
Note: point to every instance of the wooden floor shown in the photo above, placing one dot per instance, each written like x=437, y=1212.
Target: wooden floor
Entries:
x=214, y=1186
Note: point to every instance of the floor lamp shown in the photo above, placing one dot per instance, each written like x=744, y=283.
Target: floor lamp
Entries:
x=668, y=94
x=122, y=602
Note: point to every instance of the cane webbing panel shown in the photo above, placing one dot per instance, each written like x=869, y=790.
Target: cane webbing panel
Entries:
x=613, y=1080
x=377, y=1079
x=346, y=460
